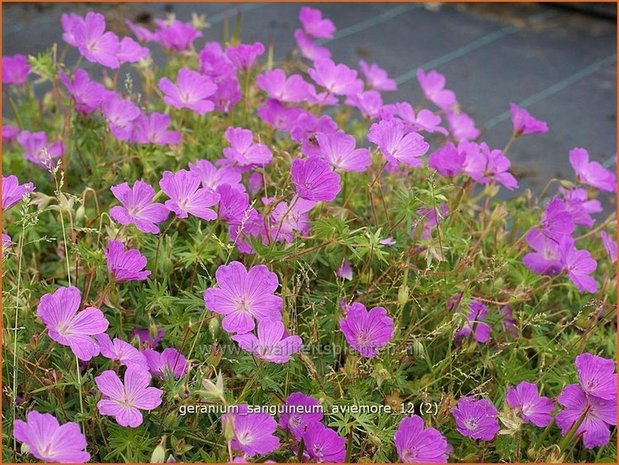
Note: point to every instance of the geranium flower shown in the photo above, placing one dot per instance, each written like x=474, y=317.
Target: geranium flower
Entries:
x=433, y=86
x=49, y=441
x=592, y=173
x=175, y=35
x=557, y=221
x=125, y=265
x=610, y=244
x=369, y=103
x=243, y=56
x=430, y=217
x=495, y=168
x=287, y=219
x=447, y=160
x=306, y=129
x=253, y=431
x=129, y=51
x=214, y=63
x=243, y=151
x=243, y=295
x=397, y=143
x=417, y=444
x=67, y=326
x=300, y=412
x=9, y=133
x=138, y=207
x=285, y=89
x=376, y=77
x=13, y=192
x=344, y=271
x=227, y=95
x=148, y=337
x=367, y=331
x=338, y=79
x=169, y=361
x=153, y=129
x=523, y=123
x=309, y=49
x=278, y=116
x=323, y=445
x=597, y=376
x=87, y=95
x=532, y=407
x=462, y=126
x=474, y=325
x=599, y=415
x=141, y=33
x=89, y=36
x=575, y=201
x=213, y=177
x=120, y=115
x=124, y=400
x=15, y=69
x=272, y=343
x=579, y=264
x=7, y=243
x=233, y=202
x=314, y=24
x=37, y=150
x=510, y=325
x=476, y=419
x=546, y=259
x=340, y=150
x=121, y=351
x=192, y=90
x=314, y=180
x=186, y=195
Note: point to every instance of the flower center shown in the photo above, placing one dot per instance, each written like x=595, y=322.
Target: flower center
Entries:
x=470, y=424
x=243, y=304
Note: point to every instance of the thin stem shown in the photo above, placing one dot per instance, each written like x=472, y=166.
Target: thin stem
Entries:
x=79, y=383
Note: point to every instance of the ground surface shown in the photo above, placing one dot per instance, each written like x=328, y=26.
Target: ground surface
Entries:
x=560, y=64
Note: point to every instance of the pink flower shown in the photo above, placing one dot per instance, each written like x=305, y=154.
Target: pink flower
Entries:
x=243, y=295
x=491, y=166
x=282, y=88
x=340, y=150
x=344, y=271
x=300, y=412
x=138, y=207
x=367, y=331
x=243, y=56
x=287, y=219
x=175, y=35
x=272, y=343
x=448, y=160
x=15, y=69
x=213, y=177
x=13, y=192
x=38, y=151
x=186, y=195
x=254, y=433
x=170, y=361
x=214, y=63
x=476, y=419
x=592, y=173
x=579, y=264
x=306, y=129
x=242, y=151
x=129, y=51
x=597, y=376
x=125, y=265
x=141, y=33
x=87, y=95
x=192, y=90
x=121, y=351
x=9, y=133
x=278, y=116
x=314, y=25
x=120, y=115
x=397, y=143
x=338, y=79
x=124, y=400
x=323, y=445
x=532, y=407
x=309, y=49
x=474, y=324
x=577, y=204
x=96, y=45
x=462, y=126
x=49, y=441
x=315, y=180
x=546, y=258
x=433, y=86
x=153, y=129
x=67, y=326
x=523, y=123
x=610, y=244
x=376, y=77
x=369, y=103
x=417, y=444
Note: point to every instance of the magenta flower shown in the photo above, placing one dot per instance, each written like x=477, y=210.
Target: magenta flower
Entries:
x=287, y=219
x=9, y=133
x=523, y=123
x=546, y=258
x=243, y=56
x=213, y=177
x=192, y=90
x=340, y=150
x=243, y=295
x=49, y=441
x=121, y=351
x=13, y=192
x=129, y=51
x=170, y=361
x=577, y=204
x=153, y=129
x=610, y=244
x=67, y=326
x=417, y=444
x=278, y=116
x=272, y=344
x=344, y=271
x=369, y=103
x=475, y=322
x=141, y=33
x=38, y=151
x=433, y=86
x=495, y=168
x=15, y=69
x=233, y=203
x=510, y=326
x=96, y=45
x=376, y=77
x=323, y=445
x=138, y=207
x=579, y=264
x=124, y=400
x=597, y=376
x=429, y=218
x=7, y=243
x=532, y=407
x=557, y=221
x=243, y=151
x=592, y=173
x=175, y=35
x=314, y=24
x=300, y=412
x=306, y=129
x=367, y=331
x=120, y=115
x=476, y=419
x=308, y=48
x=148, y=337
x=186, y=195
x=462, y=126
x=253, y=432
x=599, y=415
x=338, y=79
x=447, y=160
x=285, y=89
x=397, y=143
x=424, y=120
x=227, y=95
x=87, y=95
x=125, y=265
x=314, y=180
x=214, y=63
